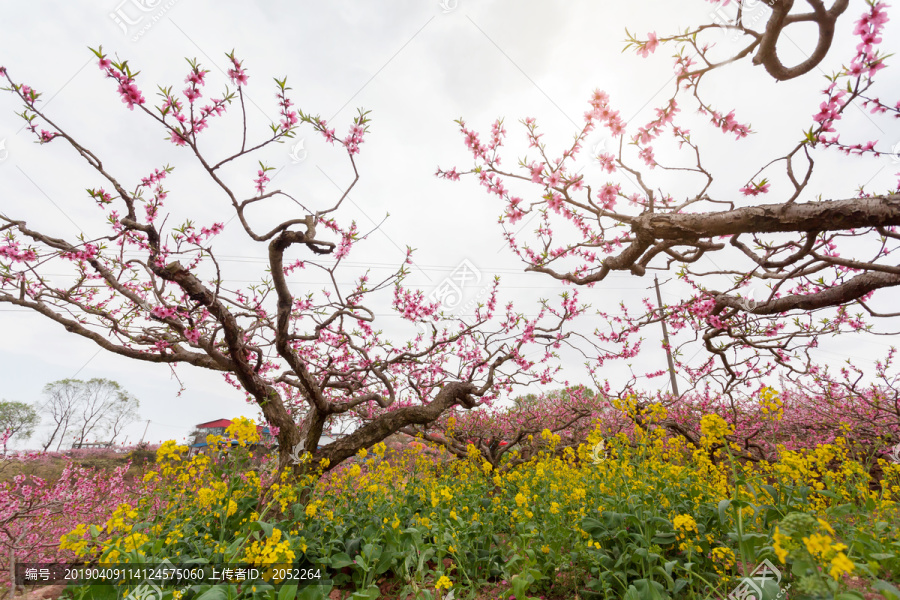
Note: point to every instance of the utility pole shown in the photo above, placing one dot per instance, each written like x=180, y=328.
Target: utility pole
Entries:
x=666, y=339
x=145, y=432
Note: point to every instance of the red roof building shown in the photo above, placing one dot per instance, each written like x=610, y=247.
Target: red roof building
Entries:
x=218, y=427
x=266, y=438
x=216, y=423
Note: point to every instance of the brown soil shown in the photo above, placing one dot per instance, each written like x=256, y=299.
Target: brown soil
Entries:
x=39, y=593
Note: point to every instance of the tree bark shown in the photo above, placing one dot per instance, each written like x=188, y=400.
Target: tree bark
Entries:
x=829, y=215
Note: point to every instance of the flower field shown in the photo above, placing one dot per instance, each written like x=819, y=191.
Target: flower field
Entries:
x=636, y=515
x=439, y=465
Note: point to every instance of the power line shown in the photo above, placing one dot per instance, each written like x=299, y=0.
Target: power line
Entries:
x=352, y=283
x=382, y=265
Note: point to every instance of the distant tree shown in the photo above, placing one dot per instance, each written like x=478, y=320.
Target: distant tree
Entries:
x=122, y=412
x=17, y=418
x=59, y=404
x=563, y=394
x=84, y=407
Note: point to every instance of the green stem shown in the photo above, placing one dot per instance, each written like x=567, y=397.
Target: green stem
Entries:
x=739, y=513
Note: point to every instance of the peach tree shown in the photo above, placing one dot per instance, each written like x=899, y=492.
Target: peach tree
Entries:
x=141, y=287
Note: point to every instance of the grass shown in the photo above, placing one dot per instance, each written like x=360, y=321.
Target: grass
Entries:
x=50, y=466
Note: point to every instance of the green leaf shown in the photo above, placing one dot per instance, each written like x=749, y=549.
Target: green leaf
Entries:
x=882, y=555
x=340, y=560
x=232, y=548
x=650, y=590
x=801, y=568
x=669, y=566
x=215, y=592
x=591, y=525
x=140, y=526
x=666, y=576
x=770, y=590
x=723, y=506
x=632, y=594
x=887, y=588
x=353, y=546
x=369, y=594
x=520, y=585
x=665, y=523
x=828, y=494
x=101, y=592
x=288, y=592
x=314, y=592
x=385, y=562
x=663, y=539
x=262, y=526
x=615, y=519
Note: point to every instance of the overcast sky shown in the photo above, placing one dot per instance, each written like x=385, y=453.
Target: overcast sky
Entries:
x=417, y=66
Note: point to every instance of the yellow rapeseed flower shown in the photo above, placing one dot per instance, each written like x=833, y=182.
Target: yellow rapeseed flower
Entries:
x=443, y=583
x=817, y=544
x=243, y=430
x=724, y=557
x=840, y=565
x=780, y=552
x=714, y=428
x=685, y=523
